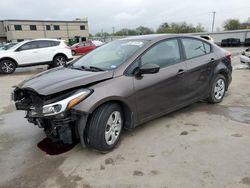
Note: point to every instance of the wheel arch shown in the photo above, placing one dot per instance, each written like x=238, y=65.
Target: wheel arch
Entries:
x=127, y=111
x=9, y=58
x=62, y=54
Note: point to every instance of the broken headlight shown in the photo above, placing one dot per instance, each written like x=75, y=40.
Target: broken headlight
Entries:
x=62, y=105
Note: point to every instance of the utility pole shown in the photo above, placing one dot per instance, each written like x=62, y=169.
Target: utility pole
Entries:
x=113, y=28
x=213, y=20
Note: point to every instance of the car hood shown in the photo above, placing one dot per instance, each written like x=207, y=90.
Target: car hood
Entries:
x=60, y=79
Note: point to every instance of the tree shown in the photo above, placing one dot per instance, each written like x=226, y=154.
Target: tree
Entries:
x=232, y=24
x=162, y=28
x=125, y=32
x=141, y=30
x=182, y=27
x=99, y=34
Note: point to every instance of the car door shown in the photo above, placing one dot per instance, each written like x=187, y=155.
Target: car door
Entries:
x=200, y=61
x=161, y=92
x=45, y=50
x=27, y=53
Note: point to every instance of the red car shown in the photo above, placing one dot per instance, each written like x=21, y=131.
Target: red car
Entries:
x=82, y=48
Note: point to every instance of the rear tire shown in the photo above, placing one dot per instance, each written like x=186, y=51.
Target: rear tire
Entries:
x=105, y=127
x=218, y=89
x=59, y=60
x=7, y=66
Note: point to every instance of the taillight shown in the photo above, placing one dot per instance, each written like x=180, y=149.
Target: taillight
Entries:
x=228, y=55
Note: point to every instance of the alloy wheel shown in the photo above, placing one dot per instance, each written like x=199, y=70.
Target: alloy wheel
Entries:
x=219, y=89
x=113, y=128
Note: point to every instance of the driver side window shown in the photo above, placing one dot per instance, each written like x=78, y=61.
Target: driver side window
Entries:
x=164, y=54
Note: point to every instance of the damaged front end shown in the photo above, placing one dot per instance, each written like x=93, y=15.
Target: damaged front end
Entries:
x=53, y=113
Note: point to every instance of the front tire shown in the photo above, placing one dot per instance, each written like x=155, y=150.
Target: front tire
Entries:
x=218, y=89
x=105, y=127
x=7, y=66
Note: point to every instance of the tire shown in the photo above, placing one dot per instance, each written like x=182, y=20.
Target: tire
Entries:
x=59, y=60
x=73, y=52
x=218, y=89
x=7, y=66
x=105, y=127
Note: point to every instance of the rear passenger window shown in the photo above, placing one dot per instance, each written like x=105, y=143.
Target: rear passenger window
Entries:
x=163, y=54
x=54, y=43
x=207, y=47
x=193, y=48
x=43, y=44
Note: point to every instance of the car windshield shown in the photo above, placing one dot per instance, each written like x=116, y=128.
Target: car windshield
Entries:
x=111, y=55
x=11, y=46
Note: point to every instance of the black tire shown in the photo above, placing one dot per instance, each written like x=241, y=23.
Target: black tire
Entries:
x=216, y=96
x=7, y=66
x=73, y=52
x=59, y=60
x=98, y=127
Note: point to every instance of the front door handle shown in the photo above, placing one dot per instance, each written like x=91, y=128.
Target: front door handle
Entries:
x=180, y=72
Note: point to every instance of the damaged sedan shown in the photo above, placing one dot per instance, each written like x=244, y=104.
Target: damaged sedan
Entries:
x=121, y=85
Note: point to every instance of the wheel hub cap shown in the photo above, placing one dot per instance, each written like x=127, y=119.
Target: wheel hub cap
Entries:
x=7, y=67
x=219, y=89
x=113, y=128
x=60, y=61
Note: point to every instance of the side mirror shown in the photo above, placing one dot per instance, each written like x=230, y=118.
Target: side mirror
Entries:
x=148, y=69
x=247, y=50
x=243, y=53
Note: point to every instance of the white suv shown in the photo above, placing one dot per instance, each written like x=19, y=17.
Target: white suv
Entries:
x=35, y=52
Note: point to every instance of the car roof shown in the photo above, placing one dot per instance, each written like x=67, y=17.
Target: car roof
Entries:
x=153, y=36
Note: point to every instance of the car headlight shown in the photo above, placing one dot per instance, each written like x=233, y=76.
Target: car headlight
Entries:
x=65, y=104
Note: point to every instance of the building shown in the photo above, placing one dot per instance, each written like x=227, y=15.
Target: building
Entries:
x=19, y=30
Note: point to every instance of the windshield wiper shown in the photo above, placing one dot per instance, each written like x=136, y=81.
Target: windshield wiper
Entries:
x=93, y=68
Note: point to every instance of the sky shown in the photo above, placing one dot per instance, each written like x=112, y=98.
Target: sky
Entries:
x=106, y=14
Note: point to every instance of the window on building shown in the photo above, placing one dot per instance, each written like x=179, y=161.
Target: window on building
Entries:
x=33, y=27
x=48, y=27
x=18, y=27
x=56, y=27
x=82, y=27
x=8, y=28
x=5, y=29
x=20, y=40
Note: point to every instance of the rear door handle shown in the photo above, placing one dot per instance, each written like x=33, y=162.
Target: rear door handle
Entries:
x=180, y=72
x=212, y=60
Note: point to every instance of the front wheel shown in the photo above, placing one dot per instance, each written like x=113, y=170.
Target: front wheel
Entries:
x=218, y=89
x=105, y=127
x=7, y=66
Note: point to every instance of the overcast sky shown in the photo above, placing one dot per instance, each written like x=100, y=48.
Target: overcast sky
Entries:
x=105, y=14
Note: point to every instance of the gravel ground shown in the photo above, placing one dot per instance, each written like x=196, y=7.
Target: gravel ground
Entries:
x=199, y=146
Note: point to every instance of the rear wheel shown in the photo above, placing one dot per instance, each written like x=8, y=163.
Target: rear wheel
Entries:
x=105, y=127
x=59, y=60
x=218, y=89
x=7, y=66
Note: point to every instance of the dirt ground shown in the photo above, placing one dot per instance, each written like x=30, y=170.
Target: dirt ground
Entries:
x=202, y=145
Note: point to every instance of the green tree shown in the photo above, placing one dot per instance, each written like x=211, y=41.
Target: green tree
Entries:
x=232, y=24
x=125, y=32
x=182, y=27
x=141, y=30
x=163, y=28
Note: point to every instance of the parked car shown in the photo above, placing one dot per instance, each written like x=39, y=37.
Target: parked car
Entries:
x=207, y=37
x=245, y=56
x=50, y=52
x=97, y=43
x=82, y=48
x=230, y=42
x=123, y=84
x=7, y=46
x=247, y=42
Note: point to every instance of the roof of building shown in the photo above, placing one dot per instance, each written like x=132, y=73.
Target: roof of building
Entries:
x=73, y=21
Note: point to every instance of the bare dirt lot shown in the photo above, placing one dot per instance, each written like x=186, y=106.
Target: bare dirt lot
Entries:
x=202, y=145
